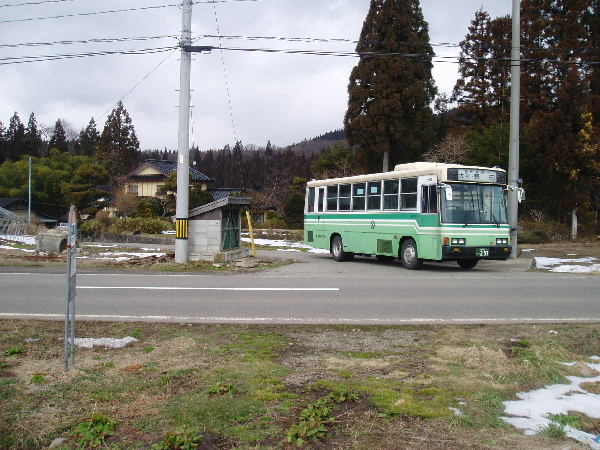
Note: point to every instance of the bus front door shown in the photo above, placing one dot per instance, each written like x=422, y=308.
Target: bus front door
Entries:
x=429, y=240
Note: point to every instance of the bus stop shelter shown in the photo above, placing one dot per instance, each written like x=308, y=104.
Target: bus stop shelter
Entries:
x=215, y=230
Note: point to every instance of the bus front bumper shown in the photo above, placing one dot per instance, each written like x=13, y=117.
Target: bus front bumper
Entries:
x=454, y=252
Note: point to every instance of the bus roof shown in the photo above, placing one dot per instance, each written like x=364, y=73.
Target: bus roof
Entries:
x=409, y=170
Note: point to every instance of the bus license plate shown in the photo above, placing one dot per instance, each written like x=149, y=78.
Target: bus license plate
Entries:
x=482, y=252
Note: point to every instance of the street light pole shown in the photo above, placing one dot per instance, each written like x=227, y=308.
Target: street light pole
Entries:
x=183, y=147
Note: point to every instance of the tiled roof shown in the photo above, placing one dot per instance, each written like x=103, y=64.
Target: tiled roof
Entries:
x=6, y=202
x=221, y=193
x=166, y=167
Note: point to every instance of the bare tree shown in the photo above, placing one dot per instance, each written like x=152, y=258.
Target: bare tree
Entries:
x=452, y=149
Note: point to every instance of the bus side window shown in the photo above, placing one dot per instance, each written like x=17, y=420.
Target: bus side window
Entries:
x=310, y=202
x=374, y=195
x=408, y=193
x=429, y=200
x=358, y=197
x=332, y=198
x=345, y=194
x=391, y=190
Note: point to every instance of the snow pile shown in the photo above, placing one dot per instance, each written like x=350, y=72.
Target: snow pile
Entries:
x=21, y=239
x=104, y=342
x=124, y=256
x=288, y=245
x=567, y=265
x=532, y=410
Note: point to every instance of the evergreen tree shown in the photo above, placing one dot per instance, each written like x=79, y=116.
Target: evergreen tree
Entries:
x=118, y=145
x=391, y=88
x=33, y=137
x=14, y=147
x=88, y=139
x=2, y=141
x=269, y=149
x=59, y=138
x=482, y=89
x=83, y=190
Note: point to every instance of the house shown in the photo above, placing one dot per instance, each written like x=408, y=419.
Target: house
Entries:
x=148, y=180
x=20, y=208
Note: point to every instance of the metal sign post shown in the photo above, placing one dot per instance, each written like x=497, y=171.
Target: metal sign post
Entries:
x=71, y=284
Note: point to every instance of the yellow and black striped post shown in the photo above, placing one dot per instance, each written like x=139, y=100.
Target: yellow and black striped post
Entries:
x=182, y=228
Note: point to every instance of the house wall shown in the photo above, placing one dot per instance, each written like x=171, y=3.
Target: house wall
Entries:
x=146, y=188
x=150, y=188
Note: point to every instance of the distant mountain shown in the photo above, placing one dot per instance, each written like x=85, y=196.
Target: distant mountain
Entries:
x=316, y=144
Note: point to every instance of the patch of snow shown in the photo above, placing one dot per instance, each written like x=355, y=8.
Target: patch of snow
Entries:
x=564, y=265
x=103, y=342
x=531, y=412
x=21, y=239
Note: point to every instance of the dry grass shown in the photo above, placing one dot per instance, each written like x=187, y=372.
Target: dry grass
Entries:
x=270, y=373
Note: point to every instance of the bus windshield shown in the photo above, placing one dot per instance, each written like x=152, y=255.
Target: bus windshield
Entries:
x=472, y=204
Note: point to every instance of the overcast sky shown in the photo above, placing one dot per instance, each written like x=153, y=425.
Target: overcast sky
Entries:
x=280, y=97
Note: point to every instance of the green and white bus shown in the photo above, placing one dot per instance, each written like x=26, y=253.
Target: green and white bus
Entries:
x=417, y=212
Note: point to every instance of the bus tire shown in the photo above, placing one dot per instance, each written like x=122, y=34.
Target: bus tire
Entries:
x=409, y=255
x=467, y=263
x=337, y=250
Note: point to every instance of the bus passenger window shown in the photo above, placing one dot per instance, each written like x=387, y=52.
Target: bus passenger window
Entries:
x=345, y=191
x=358, y=197
x=332, y=196
x=374, y=195
x=310, y=202
x=391, y=189
x=408, y=193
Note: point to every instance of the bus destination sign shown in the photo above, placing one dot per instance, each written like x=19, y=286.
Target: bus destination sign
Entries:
x=477, y=175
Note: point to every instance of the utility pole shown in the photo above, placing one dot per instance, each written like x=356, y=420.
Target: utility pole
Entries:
x=513, y=152
x=183, y=147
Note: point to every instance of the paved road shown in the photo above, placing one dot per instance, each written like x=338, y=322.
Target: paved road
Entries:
x=314, y=290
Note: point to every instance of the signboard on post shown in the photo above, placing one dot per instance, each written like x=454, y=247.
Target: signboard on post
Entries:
x=71, y=285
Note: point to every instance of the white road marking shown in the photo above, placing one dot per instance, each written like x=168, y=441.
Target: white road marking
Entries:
x=282, y=320
x=167, y=288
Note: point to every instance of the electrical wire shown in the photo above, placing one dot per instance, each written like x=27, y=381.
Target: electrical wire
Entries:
x=30, y=59
x=36, y=3
x=86, y=41
x=64, y=16
x=139, y=82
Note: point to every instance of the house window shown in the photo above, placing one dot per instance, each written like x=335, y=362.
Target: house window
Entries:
x=133, y=189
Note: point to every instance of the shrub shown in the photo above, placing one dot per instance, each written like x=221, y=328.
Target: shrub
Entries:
x=92, y=228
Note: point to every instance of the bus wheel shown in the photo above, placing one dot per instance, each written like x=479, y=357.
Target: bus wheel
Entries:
x=410, y=256
x=337, y=250
x=467, y=263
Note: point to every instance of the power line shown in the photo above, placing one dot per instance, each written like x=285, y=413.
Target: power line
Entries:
x=64, y=16
x=86, y=41
x=36, y=3
x=140, y=82
x=30, y=59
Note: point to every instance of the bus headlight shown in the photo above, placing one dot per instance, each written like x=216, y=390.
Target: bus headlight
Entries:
x=458, y=241
x=501, y=241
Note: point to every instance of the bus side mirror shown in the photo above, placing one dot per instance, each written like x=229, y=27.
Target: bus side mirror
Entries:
x=520, y=194
x=448, y=190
